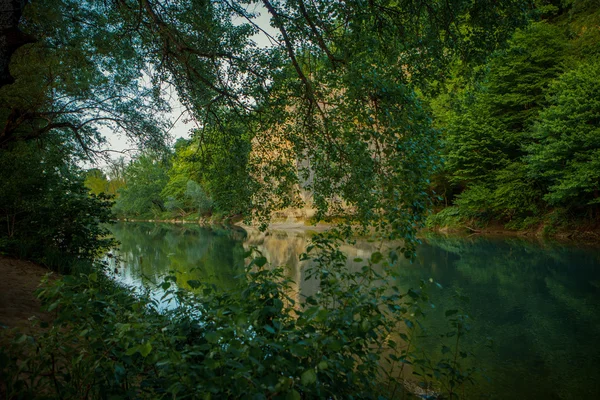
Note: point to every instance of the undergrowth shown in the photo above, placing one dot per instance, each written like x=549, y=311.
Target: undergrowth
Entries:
x=353, y=339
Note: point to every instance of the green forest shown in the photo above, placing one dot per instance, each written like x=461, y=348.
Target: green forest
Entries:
x=394, y=116
x=515, y=142
x=519, y=142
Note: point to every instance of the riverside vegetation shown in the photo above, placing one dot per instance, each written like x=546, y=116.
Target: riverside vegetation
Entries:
x=348, y=102
x=546, y=336
x=521, y=139
x=518, y=142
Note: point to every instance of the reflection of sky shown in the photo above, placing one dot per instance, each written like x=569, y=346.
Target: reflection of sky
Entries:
x=149, y=285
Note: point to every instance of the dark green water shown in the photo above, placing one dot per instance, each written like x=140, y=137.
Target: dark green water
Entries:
x=539, y=303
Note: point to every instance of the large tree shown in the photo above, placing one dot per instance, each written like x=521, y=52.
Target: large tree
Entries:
x=334, y=97
x=566, y=151
x=11, y=37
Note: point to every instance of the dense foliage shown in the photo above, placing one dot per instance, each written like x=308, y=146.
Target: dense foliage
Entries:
x=145, y=177
x=206, y=175
x=520, y=138
x=566, y=148
x=252, y=343
x=47, y=212
x=338, y=106
x=333, y=98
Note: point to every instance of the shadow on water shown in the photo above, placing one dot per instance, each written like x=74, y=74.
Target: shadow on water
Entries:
x=538, y=303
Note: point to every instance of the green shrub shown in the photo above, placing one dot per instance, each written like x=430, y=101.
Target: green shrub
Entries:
x=524, y=224
x=448, y=217
x=198, y=197
x=476, y=203
x=47, y=213
x=255, y=343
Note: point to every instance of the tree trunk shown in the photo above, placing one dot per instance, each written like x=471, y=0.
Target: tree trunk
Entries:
x=11, y=37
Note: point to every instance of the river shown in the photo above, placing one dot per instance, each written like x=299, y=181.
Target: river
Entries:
x=535, y=306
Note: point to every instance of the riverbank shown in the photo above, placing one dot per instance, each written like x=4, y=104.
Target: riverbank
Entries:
x=18, y=303
x=580, y=233
x=290, y=225
x=586, y=234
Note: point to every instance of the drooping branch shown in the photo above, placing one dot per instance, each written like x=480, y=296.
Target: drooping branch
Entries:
x=290, y=50
x=240, y=11
x=183, y=51
x=317, y=35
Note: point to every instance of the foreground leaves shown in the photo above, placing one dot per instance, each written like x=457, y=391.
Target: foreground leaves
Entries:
x=254, y=343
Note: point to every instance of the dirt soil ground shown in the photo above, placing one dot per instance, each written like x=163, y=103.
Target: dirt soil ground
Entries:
x=18, y=281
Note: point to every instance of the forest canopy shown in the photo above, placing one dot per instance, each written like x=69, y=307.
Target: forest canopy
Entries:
x=334, y=96
x=520, y=142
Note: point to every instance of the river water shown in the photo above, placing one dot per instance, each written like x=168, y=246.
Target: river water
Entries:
x=535, y=306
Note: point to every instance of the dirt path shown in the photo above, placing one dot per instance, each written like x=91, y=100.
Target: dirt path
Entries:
x=18, y=280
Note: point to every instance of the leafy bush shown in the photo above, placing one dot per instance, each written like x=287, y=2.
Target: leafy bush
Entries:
x=476, y=202
x=198, y=197
x=46, y=209
x=257, y=343
x=448, y=217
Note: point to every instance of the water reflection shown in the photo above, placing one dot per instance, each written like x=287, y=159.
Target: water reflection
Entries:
x=538, y=302
x=148, y=252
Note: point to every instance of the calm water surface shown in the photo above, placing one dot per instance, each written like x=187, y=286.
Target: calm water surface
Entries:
x=538, y=303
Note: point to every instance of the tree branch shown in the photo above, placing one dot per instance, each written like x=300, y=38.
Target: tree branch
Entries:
x=317, y=35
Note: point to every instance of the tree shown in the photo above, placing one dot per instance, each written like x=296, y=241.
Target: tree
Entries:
x=184, y=168
x=224, y=167
x=353, y=121
x=116, y=175
x=338, y=86
x=146, y=177
x=566, y=151
x=519, y=78
x=488, y=133
x=47, y=212
x=492, y=126
x=96, y=181
x=11, y=37
x=74, y=80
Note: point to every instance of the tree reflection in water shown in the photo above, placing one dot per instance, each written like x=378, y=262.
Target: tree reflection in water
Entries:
x=537, y=302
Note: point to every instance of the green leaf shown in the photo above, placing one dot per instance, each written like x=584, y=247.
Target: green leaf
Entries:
x=194, y=284
x=132, y=350
x=335, y=345
x=145, y=349
x=212, y=337
x=269, y=329
x=292, y=395
x=308, y=377
x=449, y=313
x=260, y=261
x=21, y=338
x=376, y=257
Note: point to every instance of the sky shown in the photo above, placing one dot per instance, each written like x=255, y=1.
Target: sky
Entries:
x=118, y=145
